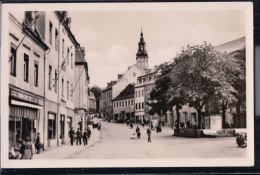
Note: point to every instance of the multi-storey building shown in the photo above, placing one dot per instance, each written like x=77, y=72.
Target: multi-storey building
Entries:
x=107, y=106
x=123, y=105
x=81, y=81
x=54, y=27
x=48, y=48
x=145, y=84
x=26, y=79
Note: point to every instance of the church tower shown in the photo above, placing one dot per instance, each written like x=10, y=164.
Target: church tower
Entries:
x=141, y=55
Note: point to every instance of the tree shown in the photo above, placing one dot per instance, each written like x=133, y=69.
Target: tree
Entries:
x=158, y=96
x=200, y=72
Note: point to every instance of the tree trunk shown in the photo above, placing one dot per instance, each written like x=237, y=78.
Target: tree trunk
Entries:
x=199, y=118
x=178, y=116
x=224, y=107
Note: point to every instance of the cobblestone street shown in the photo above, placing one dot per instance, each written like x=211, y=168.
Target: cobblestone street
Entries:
x=115, y=142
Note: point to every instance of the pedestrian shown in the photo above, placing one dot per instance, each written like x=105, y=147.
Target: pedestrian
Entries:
x=26, y=148
x=71, y=135
x=137, y=129
x=149, y=134
x=38, y=144
x=139, y=134
x=85, y=137
x=88, y=132
x=131, y=125
x=79, y=136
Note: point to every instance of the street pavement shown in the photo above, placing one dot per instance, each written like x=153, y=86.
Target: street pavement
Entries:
x=113, y=142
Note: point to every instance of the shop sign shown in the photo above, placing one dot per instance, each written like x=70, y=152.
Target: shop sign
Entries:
x=26, y=97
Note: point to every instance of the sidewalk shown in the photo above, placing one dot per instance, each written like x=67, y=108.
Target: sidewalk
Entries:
x=67, y=151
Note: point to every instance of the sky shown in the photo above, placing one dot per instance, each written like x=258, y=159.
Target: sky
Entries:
x=111, y=38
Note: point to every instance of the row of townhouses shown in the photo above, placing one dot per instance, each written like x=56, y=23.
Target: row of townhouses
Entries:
x=126, y=98
x=48, y=81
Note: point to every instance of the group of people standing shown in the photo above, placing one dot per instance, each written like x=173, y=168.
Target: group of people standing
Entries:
x=23, y=149
x=79, y=136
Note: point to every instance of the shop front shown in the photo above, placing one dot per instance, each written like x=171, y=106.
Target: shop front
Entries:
x=24, y=117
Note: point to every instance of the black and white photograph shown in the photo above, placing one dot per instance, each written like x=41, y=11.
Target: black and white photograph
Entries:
x=127, y=85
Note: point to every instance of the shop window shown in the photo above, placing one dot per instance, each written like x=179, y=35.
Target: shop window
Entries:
x=13, y=61
x=26, y=68
x=51, y=126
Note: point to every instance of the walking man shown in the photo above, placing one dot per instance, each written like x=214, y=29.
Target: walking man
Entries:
x=149, y=134
x=79, y=135
x=71, y=135
x=85, y=137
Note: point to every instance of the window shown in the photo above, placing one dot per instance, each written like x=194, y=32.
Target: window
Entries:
x=68, y=89
x=117, y=104
x=139, y=93
x=51, y=126
x=56, y=79
x=135, y=93
x=50, y=73
x=132, y=102
x=36, y=72
x=136, y=106
x=50, y=33
x=26, y=67
x=128, y=102
x=139, y=105
x=125, y=103
x=62, y=87
x=62, y=49
x=67, y=56
x=56, y=39
x=114, y=104
x=142, y=92
x=13, y=61
x=72, y=91
x=120, y=103
x=142, y=105
x=72, y=61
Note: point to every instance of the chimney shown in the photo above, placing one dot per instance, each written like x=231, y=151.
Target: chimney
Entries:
x=119, y=76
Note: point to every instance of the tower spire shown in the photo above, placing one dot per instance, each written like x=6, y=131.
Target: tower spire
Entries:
x=141, y=55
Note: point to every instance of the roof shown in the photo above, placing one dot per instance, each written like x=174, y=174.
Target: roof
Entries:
x=232, y=46
x=127, y=93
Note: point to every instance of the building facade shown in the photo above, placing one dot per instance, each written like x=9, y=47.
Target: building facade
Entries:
x=144, y=86
x=81, y=98
x=26, y=83
x=123, y=105
x=48, y=48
